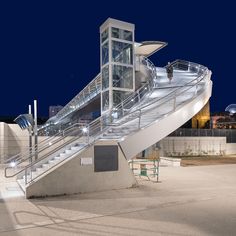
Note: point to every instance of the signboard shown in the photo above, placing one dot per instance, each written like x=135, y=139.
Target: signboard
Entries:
x=84, y=161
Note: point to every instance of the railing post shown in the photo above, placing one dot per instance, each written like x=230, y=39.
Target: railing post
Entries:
x=63, y=134
x=158, y=165
x=25, y=176
x=139, y=119
x=174, y=105
x=88, y=134
x=101, y=124
x=138, y=96
x=122, y=107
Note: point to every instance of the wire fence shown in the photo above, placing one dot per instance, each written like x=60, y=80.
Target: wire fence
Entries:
x=230, y=134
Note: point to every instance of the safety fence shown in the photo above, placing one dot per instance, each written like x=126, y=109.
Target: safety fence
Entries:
x=145, y=168
x=230, y=134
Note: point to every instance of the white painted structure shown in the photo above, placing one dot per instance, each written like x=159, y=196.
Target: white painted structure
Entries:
x=12, y=140
x=71, y=177
x=149, y=112
x=168, y=161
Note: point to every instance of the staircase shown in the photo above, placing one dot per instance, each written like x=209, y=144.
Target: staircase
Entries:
x=145, y=117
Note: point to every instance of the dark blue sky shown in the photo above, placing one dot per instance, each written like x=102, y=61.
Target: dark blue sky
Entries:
x=49, y=50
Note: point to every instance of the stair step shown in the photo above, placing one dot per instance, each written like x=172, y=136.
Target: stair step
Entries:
x=68, y=151
x=75, y=148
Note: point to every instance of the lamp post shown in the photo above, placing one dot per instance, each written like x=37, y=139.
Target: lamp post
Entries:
x=30, y=136
x=35, y=130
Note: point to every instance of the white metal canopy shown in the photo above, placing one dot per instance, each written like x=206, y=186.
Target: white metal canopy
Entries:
x=147, y=48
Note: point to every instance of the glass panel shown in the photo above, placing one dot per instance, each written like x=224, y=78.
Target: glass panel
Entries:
x=104, y=35
x=105, y=100
x=105, y=77
x=121, y=34
x=122, y=76
x=122, y=52
x=105, y=53
x=119, y=96
x=115, y=32
x=128, y=35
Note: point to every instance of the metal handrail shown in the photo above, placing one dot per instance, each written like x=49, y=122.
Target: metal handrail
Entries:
x=175, y=93
x=30, y=165
x=38, y=146
x=95, y=81
x=93, y=123
x=198, y=79
x=43, y=145
x=102, y=126
x=108, y=126
x=47, y=154
x=150, y=66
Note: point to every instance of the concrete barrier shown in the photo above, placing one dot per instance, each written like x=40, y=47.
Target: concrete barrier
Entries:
x=169, y=161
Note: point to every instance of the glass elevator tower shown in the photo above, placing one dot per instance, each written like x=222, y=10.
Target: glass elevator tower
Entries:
x=117, y=62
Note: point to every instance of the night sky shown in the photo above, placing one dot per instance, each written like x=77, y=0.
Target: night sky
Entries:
x=49, y=50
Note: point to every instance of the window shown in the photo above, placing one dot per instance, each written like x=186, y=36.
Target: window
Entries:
x=122, y=52
x=122, y=76
x=104, y=35
x=105, y=53
x=105, y=77
x=119, y=96
x=121, y=34
x=105, y=100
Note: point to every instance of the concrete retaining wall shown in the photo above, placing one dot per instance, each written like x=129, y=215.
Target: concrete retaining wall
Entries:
x=168, y=161
x=195, y=146
x=230, y=148
x=12, y=140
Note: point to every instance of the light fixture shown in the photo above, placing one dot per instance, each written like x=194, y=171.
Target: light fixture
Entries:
x=115, y=115
x=85, y=130
x=12, y=164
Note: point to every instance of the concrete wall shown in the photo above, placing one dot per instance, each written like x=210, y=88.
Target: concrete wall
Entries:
x=194, y=146
x=71, y=177
x=230, y=148
x=12, y=140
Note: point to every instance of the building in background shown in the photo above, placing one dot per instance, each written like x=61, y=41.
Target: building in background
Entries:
x=202, y=118
x=53, y=110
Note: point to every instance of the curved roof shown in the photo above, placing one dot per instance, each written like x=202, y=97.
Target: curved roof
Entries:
x=231, y=108
x=147, y=48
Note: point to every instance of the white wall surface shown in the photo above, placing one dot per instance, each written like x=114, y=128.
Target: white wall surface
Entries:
x=144, y=138
x=194, y=146
x=12, y=140
x=230, y=148
x=71, y=177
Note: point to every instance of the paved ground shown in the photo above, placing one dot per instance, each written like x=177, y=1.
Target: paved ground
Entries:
x=211, y=160
x=187, y=201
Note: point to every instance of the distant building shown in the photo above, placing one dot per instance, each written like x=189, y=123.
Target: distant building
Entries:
x=53, y=110
x=200, y=120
